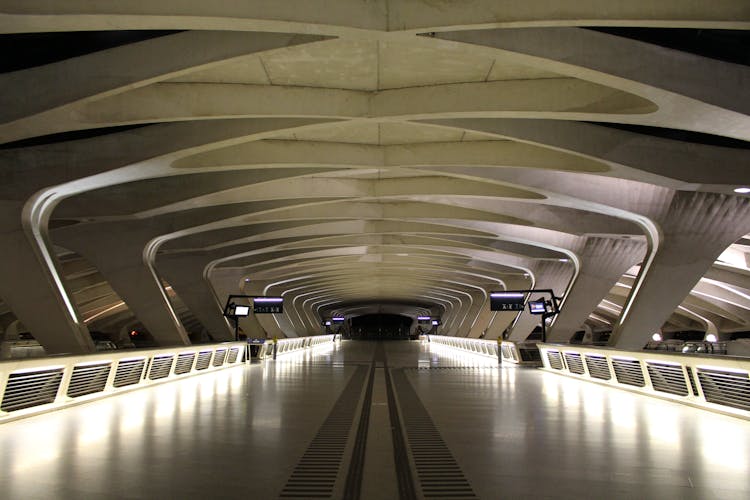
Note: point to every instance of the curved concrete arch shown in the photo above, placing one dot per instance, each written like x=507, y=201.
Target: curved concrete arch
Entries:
x=315, y=148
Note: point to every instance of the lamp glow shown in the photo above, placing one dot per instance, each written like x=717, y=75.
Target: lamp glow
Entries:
x=742, y=190
x=656, y=337
x=711, y=337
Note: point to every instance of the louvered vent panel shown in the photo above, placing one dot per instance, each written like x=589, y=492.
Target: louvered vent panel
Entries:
x=555, y=361
x=726, y=388
x=628, y=371
x=575, y=364
x=667, y=378
x=219, y=357
x=27, y=389
x=204, y=359
x=508, y=353
x=129, y=372
x=530, y=354
x=693, y=383
x=598, y=367
x=233, y=353
x=184, y=363
x=88, y=379
x=160, y=367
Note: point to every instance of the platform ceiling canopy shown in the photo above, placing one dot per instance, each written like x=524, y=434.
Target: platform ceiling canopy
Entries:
x=354, y=157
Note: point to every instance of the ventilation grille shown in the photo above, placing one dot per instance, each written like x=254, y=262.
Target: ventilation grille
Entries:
x=725, y=388
x=184, y=363
x=233, y=352
x=555, y=360
x=129, y=372
x=160, y=367
x=88, y=379
x=530, y=354
x=693, y=383
x=598, y=367
x=28, y=389
x=219, y=357
x=438, y=473
x=667, y=378
x=628, y=371
x=204, y=359
x=316, y=472
x=575, y=364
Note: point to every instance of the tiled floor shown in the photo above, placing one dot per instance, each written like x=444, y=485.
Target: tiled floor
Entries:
x=238, y=433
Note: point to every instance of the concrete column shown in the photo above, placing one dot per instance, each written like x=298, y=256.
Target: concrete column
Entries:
x=602, y=262
x=495, y=322
x=276, y=325
x=696, y=229
x=120, y=261
x=32, y=292
x=554, y=275
x=474, y=310
x=185, y=274
x=483, y=319
x=226, y=282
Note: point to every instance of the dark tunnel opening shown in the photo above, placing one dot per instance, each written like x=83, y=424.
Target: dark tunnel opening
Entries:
x=380, y=327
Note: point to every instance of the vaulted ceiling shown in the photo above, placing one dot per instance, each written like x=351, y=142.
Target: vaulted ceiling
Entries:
x=362, y=156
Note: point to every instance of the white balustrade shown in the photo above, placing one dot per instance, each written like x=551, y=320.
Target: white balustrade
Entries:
x=718, y=383
x=289, y=345
x=38, y=385
x=475, y=346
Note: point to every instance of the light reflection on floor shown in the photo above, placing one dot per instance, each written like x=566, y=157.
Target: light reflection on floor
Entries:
x=517, y=433
x=572, y=439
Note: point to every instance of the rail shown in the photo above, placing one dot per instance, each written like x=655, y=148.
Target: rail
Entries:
x=290, y=345
x=717, y=383
x=38, y=385
x=474, y=346
x=520, y=353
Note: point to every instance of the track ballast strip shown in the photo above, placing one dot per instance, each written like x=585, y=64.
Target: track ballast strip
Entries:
x=316, y=472
x=439, y=474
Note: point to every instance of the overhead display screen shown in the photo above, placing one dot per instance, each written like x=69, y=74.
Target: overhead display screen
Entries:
x=268, y=305
x=537, y=307
x=241, y=310
x=507, y=301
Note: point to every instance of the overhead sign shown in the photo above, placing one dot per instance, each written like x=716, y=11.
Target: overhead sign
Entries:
x=507, y=301
x=268, y=305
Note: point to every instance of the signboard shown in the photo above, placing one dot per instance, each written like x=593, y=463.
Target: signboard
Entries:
x=507, y=301
x=268, y=305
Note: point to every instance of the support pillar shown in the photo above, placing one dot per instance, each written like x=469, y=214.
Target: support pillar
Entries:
x=696, y=229
x=32, y=293
x=553, y=275
x=603, y=262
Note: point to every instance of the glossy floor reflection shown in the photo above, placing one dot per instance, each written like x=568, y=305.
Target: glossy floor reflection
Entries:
x=238, y=433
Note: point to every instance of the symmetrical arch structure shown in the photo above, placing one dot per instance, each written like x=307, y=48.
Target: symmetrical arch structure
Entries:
x=396, y=156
